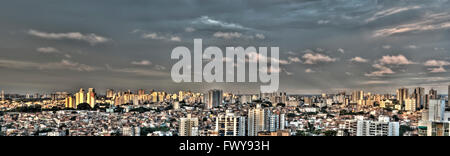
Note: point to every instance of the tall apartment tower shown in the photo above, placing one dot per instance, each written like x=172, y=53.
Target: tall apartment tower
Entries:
x=3, y=95
x=80, y=97
x=215, y=98
x=357, y=96
x=70, y=102
x=433, y=94
x=91, y=97
x=419, y=95
x=436, y=110
x=109, y=93
x=276, y=122
x=230, y=125
x=188, y=126
x=256, y=121
x=402, y=95
x=448, y=97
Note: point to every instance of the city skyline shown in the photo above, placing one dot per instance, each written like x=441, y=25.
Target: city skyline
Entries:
x=325, y=46
x=136, y=90
x=141, y=113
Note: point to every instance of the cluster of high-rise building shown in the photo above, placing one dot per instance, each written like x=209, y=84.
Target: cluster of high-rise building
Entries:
x=403, y=100
x=435, y=120
x=81, y=97
x=264, y=119
x=361, y=127
x=259, y=120
x=144, y=97
x=418, y=100
x=217, y=113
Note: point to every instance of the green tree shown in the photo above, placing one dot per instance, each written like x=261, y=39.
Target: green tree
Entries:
x=330, y=133
x=84, y=106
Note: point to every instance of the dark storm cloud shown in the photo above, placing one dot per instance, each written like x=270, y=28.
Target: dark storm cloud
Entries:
x=50, y=45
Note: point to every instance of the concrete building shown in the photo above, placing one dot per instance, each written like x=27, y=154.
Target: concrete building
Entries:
x=188, y=126
x=255, y=121
x=230, y=125
x=214, y=99
x=436, y=110
x=402, y=95
x=360, y=127
x=410, y=105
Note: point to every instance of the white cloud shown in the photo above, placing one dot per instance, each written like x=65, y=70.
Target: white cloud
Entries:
x=90, y=38
x=156, y=36
x=428, y=23
x=213, y=22
x=255, y=57
x=152, y=36
x=271, y=70
x=412, y=47
x=227, y=35
x=348, y=74
x=142, y=63
x=375, y=82
x=387, y=47
x=67, y=64
x=62, y=65
x=311, y=58
x=322, y=22
x=189, y=29
x=437, y=70
x=292, y=53
x=160, y=67
x=320, y=50
x=294, y=59
x=382, y=67
x=395, y=60
x=140, y=72
x=175, y=38
x=359, y=60
x=260, y=36
x=47, y=50
x=436, y=63
x=382, y=70
x=391, y=11
x=438, y=49
x=341, y=50
x=309, y=71
x=288, y=73
x=232, y=35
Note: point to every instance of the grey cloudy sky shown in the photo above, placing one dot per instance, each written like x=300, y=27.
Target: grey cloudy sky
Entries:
x=326, y=45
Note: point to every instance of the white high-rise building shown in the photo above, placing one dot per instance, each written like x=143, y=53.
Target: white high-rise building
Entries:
x=436, y=110
x=131, y=131
x=382, y=127
x=435, y=121
x=230, y=125
x=188, y=126
x=276, y=122
x=255, y=121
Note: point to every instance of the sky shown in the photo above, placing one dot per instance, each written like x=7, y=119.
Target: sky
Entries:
x=325, y=45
